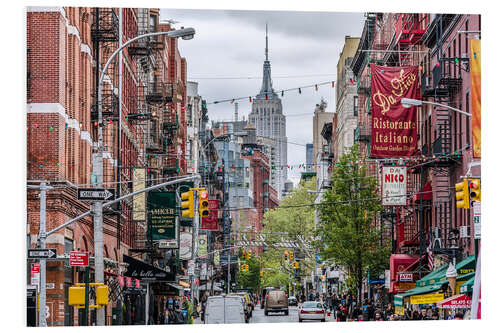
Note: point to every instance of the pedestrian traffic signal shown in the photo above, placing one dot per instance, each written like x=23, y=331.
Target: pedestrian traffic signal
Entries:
x=204, y=211
x=291, y=255
x=187, y=204
x=462, y=194
x=102, y=295
x=76, y=296
x=475, y=189
x=243, y=253
x=286, y=255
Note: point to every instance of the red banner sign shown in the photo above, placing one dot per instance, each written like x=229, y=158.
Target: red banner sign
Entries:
x=137, y=283
x=211, y=221
x=121, y=281
x=394, y=127
x=129, y=281
x=78, y=258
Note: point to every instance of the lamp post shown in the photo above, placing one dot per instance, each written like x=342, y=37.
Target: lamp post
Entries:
x=97, y=158
x=409, y=102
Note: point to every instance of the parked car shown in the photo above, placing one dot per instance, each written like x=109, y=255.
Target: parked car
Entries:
x=276, y=301
x=292, y=301
x=225, y=310
x=248, y=304
x=312, y=310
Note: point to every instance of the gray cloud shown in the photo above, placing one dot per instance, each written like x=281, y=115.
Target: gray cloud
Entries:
x=231, y=44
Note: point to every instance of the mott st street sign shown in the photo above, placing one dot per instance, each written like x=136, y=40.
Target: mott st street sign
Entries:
x=95, y=194
x=42, y=253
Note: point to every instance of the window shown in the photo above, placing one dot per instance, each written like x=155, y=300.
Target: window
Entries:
x=355, y=106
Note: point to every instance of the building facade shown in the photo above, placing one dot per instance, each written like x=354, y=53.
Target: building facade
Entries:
x=347, y=98
x=143, y=89
x=270, y=122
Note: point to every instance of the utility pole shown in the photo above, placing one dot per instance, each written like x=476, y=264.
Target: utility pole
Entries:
x=196, y=221
x=42, y=320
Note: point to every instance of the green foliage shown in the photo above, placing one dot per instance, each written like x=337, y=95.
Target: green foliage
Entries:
x=347, y=214
x=250, y=279
x=294, y=218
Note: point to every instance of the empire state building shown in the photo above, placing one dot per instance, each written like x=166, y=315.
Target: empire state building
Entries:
x=270, y=124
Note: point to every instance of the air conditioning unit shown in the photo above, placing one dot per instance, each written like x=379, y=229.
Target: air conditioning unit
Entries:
x=464, y=231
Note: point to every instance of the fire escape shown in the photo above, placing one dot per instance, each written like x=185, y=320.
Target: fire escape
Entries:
x=446, y=83
x=104, y=32
x=409, y=30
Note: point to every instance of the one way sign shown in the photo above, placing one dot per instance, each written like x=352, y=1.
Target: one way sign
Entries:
x=42, y=253
x=96, y=194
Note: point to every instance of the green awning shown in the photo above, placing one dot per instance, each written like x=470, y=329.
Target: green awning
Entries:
x=464, y=267
x=467, y=286
x=466, y=277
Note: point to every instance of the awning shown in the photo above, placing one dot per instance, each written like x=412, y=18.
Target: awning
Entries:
x=176, y=286
x=464, y=267
x=467, y=286
x=148, y=273
x=398, y=298
x=459, y=301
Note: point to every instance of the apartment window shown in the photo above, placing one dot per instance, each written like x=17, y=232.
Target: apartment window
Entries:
x=355, y=106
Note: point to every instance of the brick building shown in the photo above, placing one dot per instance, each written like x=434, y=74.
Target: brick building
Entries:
x=65, y=47
x=440, y=45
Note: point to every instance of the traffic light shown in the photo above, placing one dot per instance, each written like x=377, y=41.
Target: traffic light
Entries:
x=475, y=189
x=244, y=253
x=204, y=211
x=249, y=255
x=295, y=265
x=244, y=268
x=291, y=255
x=286, y=255
x=261, y=273
x=187, y=204
x=462, y=194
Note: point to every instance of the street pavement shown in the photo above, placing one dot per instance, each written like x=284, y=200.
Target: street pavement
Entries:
x=275, y=317
x=279, y=317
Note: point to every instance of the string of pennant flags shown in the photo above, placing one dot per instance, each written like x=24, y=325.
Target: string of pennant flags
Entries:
x=282, y=92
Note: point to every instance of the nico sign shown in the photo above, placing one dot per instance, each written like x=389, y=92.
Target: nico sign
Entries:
x=394, y=186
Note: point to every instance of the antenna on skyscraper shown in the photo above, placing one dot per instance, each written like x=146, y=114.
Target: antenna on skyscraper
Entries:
x=266, y=44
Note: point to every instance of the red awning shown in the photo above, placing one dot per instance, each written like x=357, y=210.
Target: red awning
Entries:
x=459, y=301
x=426, y=193
x=398, y=263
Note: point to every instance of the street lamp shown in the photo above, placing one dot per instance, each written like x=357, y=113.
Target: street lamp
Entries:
x=409, y=102
x=98, y=167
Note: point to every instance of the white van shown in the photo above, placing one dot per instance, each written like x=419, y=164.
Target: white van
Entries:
x=225, y=310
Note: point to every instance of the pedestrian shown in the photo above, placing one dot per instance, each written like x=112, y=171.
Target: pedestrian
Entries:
x=378, y=317
x=459, y=315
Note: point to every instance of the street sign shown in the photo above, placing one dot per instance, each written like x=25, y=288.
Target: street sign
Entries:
x=96, y=194
x=477, y=220
x=42, y=253
x=78, y=258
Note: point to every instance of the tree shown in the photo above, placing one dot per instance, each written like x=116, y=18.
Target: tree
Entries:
x=294, y=217
x=347, y=214
x=250, y=279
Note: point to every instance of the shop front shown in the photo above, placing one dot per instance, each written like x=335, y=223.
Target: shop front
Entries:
x=158, y=284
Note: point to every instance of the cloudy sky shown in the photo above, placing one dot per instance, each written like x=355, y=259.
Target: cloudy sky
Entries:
x=227, y=54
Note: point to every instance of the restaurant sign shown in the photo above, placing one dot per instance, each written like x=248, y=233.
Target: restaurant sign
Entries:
x=426, y=298
x=138, y=269
x=163, y=223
